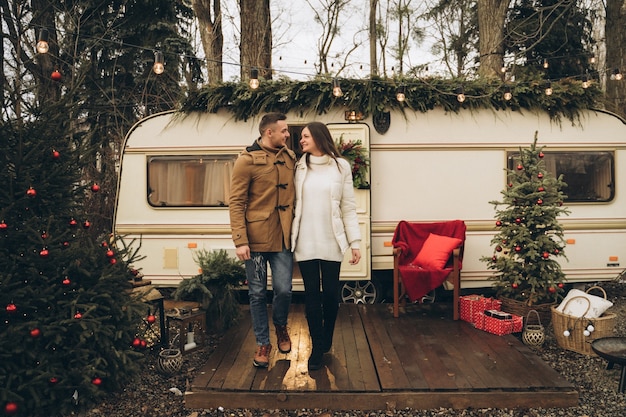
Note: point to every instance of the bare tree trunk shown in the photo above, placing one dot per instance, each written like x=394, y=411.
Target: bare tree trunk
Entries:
x=491, y=16
x=256, y=38
x=616, y=55
x=372, y=31
x=212, y=36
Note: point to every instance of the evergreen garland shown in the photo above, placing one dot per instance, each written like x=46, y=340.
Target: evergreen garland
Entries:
x=373, y=95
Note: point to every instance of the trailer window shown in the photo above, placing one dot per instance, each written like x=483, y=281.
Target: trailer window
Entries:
x=590, y=176
x=181, y=181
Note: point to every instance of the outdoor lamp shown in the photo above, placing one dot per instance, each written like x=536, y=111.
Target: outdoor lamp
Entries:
x=507, y=93
x=254, y=78
x=585, y=81
x=42, y=41
x=158, y=66
x=548, y=88
x=337, y=88
x=401, y=93
x=460, y=94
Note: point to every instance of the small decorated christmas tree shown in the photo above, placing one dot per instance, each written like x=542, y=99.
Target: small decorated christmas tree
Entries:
x=529, y=238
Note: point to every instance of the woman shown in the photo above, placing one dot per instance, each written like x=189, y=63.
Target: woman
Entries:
x=325, y=226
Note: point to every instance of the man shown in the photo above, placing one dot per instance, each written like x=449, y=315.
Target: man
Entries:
x=261, y=212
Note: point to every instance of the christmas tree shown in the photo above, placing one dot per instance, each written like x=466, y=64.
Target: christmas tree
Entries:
x=529, y=238
x=67, y=316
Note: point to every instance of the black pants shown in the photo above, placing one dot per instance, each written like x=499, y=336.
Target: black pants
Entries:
x=321, y=304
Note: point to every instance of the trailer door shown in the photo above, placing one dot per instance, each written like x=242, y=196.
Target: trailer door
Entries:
x=358, y=286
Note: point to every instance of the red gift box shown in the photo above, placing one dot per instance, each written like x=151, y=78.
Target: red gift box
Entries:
x=471, y=304
x=498, y=326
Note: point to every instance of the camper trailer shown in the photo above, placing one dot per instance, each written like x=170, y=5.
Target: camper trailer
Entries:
x=174, y=181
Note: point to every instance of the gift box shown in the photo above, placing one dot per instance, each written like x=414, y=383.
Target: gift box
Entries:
x=470, y=304
x=498, y=326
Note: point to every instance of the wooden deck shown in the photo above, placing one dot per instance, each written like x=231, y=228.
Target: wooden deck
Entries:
x=422, y=360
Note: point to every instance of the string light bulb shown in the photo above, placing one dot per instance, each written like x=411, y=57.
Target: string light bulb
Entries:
x=42, y=41
x=337, y=88
x=460, y=94
x=592, y=60
x=585, y=80
x=548, y=88
x=254, y=78
x=507, y=93
x=401, y=93
x=545, y=64
x=617, y=75
x=159, y=66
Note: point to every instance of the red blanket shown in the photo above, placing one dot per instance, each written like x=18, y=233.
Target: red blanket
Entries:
x=410, y=238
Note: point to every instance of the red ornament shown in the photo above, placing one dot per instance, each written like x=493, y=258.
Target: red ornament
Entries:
x=56, y=75
x=540, y=175
x=110, y=253
x=540, y=201
x=498, y=248
x=546, y=255
x=514, y=285
x=34, y=333
x=518, y=220
x=96, y=381
x=31, y=192
x=541, y=155
x=552, y=290
x=560, y=285
x=86, y=224
x=518, y=248
x=3, y=225
x=494, y=258
x=54, y=380
x=520, y=167
x=95, y=188
x=65, y=245
x=136, y=343
x=10, y=408
x=78, y=315
x=510, y=185
x=11, y=308
x=66, y=281
x=541, y=189
x=104, y=244
x=44, y=253
x=143, y=344
x=56, y=154
x=44, y=235
x=73, y=222
x=498, y=223
x=556, y=251
x=151, y=319
x=112, y=261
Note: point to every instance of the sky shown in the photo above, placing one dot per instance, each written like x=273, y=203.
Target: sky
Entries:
x=295, y=41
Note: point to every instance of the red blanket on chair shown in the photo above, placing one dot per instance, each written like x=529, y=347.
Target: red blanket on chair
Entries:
x=410, y=237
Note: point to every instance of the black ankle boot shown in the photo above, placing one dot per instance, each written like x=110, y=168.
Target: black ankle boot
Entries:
x=315, y=360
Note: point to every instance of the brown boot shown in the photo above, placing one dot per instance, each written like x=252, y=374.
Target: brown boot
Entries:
x=284, y=342
x=262, y=356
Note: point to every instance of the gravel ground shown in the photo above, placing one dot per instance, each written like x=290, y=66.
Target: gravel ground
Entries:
x=152, y=395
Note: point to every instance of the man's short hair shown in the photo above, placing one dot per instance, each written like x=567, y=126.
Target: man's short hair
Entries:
x=270, y=119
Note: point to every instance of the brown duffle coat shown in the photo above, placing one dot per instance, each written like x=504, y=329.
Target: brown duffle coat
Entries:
x=262, y=197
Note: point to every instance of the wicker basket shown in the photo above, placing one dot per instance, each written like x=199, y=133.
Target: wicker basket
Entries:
x=520, y=308
x=170, y=361
x=533, y=334
x=573, y=333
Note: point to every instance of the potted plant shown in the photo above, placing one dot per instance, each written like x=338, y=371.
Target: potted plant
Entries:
x=529, y=238
x=215, y=287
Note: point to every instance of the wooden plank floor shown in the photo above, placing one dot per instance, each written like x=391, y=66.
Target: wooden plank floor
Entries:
x=421, y=360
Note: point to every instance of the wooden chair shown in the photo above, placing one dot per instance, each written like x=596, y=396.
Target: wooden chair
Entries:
x=425, y=255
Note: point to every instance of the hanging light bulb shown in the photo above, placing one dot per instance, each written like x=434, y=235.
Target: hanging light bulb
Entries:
x=507, y=93
x=548, y=88
x=401, y=93
x=592, y=60
x=337, y=88
x=460, y=94
x=545, y=64
x=585, y=81
x=159, y=66
x=42, y=41
x=503, y=69
x=254, y=78
x=617, y=75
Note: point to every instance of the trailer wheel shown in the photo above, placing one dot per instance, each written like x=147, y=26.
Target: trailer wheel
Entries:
x=359, y=292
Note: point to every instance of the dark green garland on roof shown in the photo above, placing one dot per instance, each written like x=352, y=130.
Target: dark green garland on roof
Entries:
x=373, y=95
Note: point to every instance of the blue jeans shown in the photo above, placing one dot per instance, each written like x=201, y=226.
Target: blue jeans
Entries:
x=256, y=272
